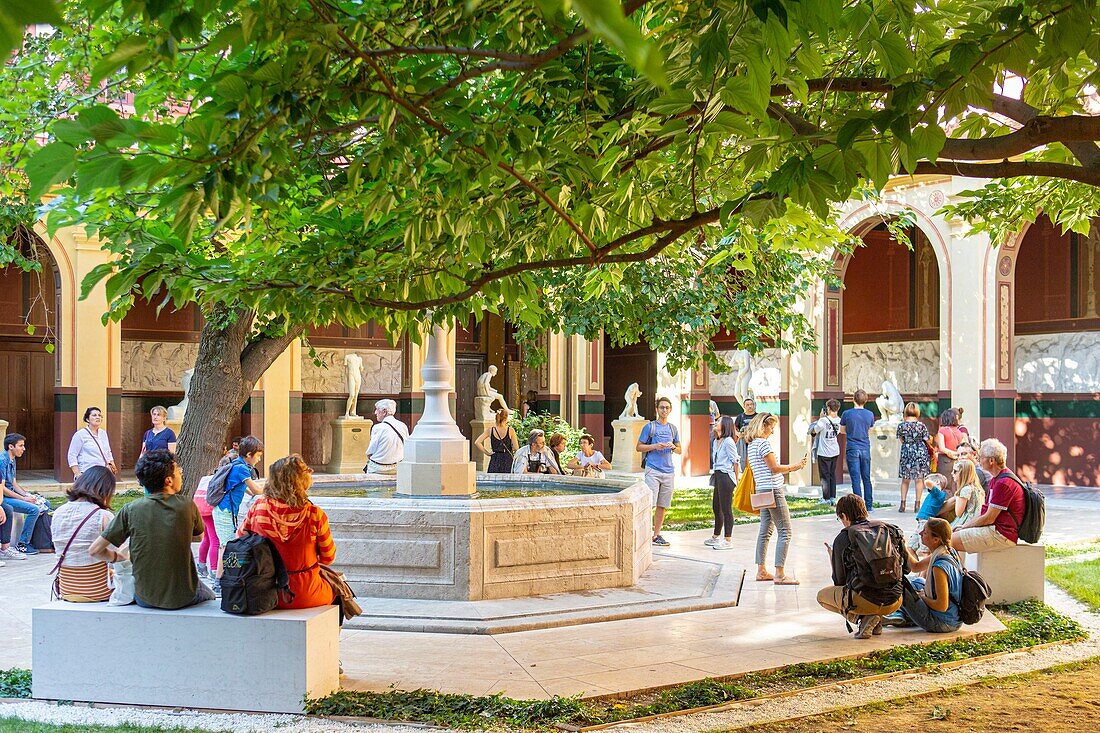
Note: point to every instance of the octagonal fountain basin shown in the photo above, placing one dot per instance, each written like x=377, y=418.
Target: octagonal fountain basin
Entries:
x=523, y=535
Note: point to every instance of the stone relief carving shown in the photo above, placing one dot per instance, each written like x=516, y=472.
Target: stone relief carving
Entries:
x=915, y=363
x=155, y=366
x=1058, y=362
x=381, y=371
x=765, y=370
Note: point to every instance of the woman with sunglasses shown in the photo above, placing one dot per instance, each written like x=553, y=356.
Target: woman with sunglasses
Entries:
x=767, y=474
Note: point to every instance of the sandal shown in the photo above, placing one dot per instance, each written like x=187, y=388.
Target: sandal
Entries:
x=764, y=576
x=901, y=509
x=786, y=581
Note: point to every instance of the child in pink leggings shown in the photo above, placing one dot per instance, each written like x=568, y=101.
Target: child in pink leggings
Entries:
x=208, y=548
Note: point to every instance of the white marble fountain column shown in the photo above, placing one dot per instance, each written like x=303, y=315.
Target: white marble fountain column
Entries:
x=437, y=457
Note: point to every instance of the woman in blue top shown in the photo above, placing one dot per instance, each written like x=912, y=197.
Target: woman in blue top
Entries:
x=160, y=437
x=931, y=599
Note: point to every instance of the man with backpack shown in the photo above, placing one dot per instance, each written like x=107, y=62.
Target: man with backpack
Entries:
x=869, y=563
x=998, y=526
x=160, y=527
x=657, y=442
x=826, y=433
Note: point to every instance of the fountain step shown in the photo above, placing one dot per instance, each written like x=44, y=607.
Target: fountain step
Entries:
x=673, y=584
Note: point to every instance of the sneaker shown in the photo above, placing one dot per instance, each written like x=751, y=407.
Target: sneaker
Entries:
x=217, y=588
x=712, y=541
x=12, y=554
x=2, y=563
x=877, y=631
x=895, y=619
x=722, y=545
x=867, y=625
x=661, y=541
x=203, y=569
x=26, y=549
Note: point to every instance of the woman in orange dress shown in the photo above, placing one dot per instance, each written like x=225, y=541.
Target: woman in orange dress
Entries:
x=299, y=530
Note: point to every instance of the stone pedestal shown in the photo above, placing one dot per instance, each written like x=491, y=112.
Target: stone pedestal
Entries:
x=623, y=455
x=477, y=427
x=885, y=451
x=350, y=438
x=175, y=425
x=1015, y=574
x=3, y=429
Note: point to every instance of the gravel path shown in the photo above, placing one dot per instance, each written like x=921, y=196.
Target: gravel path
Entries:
x=738, y=716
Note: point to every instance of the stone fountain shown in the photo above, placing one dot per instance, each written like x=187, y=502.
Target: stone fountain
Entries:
x=437, y=537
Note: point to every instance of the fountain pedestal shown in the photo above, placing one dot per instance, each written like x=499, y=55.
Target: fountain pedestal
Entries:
x=350, y=438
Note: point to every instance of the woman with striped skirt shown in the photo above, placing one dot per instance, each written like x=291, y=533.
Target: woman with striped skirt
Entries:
x=76, y=524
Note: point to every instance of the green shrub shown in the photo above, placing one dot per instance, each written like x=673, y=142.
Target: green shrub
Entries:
x=15, y=683
x=549, y=424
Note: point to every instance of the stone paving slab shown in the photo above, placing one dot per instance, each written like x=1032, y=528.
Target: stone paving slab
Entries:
x=672, y=585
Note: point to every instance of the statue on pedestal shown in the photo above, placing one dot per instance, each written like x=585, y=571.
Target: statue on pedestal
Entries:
x=889, y=402
x=176, y=412
x=630, y=412
x=353, y=367
x=487, y=395
x=741, y=376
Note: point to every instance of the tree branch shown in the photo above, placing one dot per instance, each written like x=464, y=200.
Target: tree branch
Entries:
x=1011, y=169
x=1038, y=131
x=1020, y=111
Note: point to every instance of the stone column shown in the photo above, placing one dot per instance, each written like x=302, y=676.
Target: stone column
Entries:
x=437, y=457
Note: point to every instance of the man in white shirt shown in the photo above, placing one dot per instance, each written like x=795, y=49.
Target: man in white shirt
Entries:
x=387, y=440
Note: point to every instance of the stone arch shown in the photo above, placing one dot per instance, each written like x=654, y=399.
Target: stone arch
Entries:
x=67, y=296
x=858, y=222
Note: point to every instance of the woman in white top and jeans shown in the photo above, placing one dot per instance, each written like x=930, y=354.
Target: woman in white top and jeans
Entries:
x=767, y=473
x=90, y=445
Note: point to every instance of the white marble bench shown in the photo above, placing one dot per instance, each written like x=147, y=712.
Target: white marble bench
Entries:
x=197, y=657
x=1015, y=574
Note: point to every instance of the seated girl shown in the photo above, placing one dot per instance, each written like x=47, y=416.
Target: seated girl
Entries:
x=931, y=599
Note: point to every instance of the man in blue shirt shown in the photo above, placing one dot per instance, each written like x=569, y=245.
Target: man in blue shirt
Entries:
x=857, y=453
x=658, y=441
x=17, y=500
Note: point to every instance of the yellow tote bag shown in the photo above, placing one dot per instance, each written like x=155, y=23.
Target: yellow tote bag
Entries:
x=742, y=496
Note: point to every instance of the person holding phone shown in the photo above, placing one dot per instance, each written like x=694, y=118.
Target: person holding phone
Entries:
x=767, y=474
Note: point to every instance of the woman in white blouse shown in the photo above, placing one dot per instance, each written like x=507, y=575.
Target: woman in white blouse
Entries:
x=90, y=445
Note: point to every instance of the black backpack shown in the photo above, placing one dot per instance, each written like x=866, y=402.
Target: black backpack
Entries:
x=253, y=576
x=875, y=549
x=216, y=489
x=1030, y=527
x=975, y=594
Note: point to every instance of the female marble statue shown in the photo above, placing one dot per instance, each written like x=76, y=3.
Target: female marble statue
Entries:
x=353, y=366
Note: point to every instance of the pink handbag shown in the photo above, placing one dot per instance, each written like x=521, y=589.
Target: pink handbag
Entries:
x=762, y=500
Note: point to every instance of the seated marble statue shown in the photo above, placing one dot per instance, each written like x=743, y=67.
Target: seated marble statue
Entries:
x=487, y=395
x=630, y=412
x=890, y=404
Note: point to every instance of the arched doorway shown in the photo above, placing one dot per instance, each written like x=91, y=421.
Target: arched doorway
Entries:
x=1056, y=360
x=622, y=366
x=29, y=349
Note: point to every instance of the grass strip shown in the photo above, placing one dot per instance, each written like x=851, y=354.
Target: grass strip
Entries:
x=17, y=725
x=1073, y=549
x=691, y=509
x=1080, y=579
x=1028, y=624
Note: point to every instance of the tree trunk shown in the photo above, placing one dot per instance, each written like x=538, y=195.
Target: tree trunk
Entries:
x=227, y=368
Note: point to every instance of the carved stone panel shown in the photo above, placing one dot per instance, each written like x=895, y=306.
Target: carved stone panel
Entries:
x=381, y=371
x=1058, y=362
x=915, y=363
x=766, y=380
x=156, y=366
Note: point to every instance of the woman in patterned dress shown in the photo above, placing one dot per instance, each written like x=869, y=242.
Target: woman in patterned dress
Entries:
x=913, y=464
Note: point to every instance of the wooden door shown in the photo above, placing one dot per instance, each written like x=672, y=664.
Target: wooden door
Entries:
x=622, y=366
x=26, y=400
x=468, y=368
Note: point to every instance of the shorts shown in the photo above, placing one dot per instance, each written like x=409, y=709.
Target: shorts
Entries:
x=983, y=539
x=661, y=484
x=223, y=525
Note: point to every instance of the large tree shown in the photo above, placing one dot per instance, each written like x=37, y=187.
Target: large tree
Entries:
x=653, y=169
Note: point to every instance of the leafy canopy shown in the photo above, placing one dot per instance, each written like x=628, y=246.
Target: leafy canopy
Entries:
x=652, y=169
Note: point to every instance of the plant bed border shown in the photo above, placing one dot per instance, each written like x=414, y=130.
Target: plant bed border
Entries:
x=467, y=705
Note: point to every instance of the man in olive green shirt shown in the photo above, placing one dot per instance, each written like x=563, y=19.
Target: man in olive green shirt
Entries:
x=161, y=527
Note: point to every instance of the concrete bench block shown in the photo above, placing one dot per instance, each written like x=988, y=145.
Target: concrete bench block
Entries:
x=197, y=657
x=1015, y=574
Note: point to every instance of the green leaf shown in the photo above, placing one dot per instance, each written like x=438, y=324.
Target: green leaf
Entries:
x=52, y=164
x=126, y=51
x=605, y=19
x=926, y=141
x=894, y=53
x=15, y=15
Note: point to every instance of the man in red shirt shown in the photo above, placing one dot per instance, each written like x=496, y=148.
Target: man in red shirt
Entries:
x=997, y=527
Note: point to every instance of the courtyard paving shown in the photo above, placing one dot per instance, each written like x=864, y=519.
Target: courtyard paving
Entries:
x=772, y=626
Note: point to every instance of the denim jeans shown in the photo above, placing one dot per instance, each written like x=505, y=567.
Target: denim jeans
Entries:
x=918, y=611
x=31, y=511
x=776, y=518
x=859, y=471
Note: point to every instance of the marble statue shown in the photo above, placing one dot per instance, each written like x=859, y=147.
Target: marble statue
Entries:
x=353, y=367
x=176, y=412
x=741, y=375
x=890, y=404
x=487, y=395
x=630, y=412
